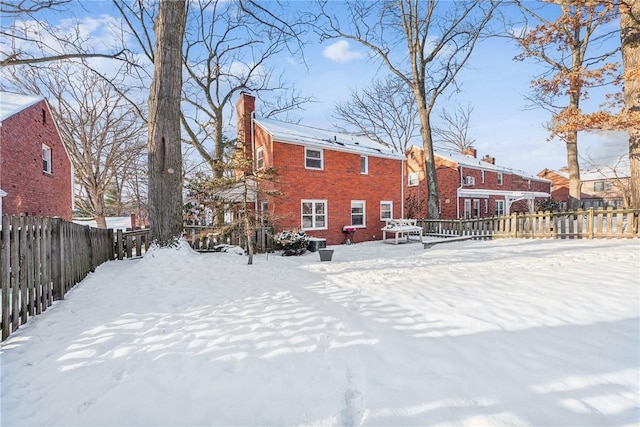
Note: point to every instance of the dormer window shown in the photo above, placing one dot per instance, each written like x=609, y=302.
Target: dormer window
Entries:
x=500, y=181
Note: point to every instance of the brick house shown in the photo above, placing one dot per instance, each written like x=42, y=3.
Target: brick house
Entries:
x=35, y=170
x=600, y=188
x=471, y=188
x=326, y=180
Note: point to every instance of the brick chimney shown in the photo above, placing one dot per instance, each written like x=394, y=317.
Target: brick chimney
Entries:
x=472, y=152
x=244, y=107
x=488, y=159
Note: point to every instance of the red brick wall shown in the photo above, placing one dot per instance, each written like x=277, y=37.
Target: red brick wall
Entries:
x=449, y=180
x=338, y=183
x=29, y=190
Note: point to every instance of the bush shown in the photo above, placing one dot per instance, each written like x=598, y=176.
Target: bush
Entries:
x=292, y=243
x=548, y=205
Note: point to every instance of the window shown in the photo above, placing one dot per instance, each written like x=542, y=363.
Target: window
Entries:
x=386, y=210
x=260, y=158
x=601, y=186
x=46, y=159
x=499, y=178
x=529, y=184
x=563, y=206
x=413, y=179
x=357, y=213
x=264, y=212
x=469, y=180
x=486, y=205
x=314, y=214
x=467, y=208
x=364, y=165
x=313, y=158
x=499, y=207
x=482, y=177
x=476, y=208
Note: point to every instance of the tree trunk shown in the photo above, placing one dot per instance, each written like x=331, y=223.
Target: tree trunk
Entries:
x=630, y=40
x=165, y=154
x=575, y=185
x=433, y=196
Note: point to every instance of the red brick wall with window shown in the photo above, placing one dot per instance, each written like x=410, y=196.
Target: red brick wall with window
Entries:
x=339, y=182
x=30, y=191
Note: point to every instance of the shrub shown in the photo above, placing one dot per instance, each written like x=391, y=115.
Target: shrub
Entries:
x=548, y=205
x=292, y=243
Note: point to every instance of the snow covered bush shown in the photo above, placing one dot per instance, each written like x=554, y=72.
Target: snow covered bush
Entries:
x=292, y=242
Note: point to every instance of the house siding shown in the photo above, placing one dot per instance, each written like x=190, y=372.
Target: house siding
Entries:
x=30, y=191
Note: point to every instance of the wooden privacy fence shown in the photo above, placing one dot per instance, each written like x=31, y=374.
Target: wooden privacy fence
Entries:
x=201, y=238
x=40, y=260
x=581, y=224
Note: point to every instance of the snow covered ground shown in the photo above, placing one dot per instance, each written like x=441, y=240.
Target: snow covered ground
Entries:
x=506, y=332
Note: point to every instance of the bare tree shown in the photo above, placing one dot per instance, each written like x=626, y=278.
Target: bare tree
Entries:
x=228, y=47
x=566, y=46
x=164, y=139
x=29, y=38
x=424, y=43
x=630, y=39
x=100, y=130
x=385, y=112
x=454, y=132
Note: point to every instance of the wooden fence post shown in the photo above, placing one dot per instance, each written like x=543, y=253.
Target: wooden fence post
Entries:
x=5, y=272
x=57, y=259
x=590, y=223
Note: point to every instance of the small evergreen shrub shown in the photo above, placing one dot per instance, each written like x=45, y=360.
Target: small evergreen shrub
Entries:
x=548, y=205
x=292, y=242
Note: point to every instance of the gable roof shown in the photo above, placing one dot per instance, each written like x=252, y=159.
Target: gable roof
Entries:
x=599, y=174
x=309, y=136
x=472, y=162
x=12, y=103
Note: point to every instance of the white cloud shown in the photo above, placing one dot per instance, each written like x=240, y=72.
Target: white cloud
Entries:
x=341, y=52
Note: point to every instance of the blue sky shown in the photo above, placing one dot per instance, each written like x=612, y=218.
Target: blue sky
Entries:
x=493, y=84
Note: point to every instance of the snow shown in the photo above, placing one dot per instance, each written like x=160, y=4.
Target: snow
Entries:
x=114, y=222
x=504, y=332
x=12, y=103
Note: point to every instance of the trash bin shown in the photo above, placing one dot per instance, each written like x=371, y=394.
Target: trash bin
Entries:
x=316, y=243
x=325, y=254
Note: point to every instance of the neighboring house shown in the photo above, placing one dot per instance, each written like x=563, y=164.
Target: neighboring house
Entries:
x=600, y=188
x=35, y=170
x=326, y=180
x=471, y=188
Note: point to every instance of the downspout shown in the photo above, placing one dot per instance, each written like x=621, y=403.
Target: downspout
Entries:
x=253, y=168
x=401, y=190
x=458, y=193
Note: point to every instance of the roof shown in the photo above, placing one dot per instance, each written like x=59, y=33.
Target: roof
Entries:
x=472, y=162
x=309, y=136
x=12, y=103
x=486, y=193
x=600, y=174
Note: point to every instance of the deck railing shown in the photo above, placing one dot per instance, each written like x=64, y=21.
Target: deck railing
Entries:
x=581, y=224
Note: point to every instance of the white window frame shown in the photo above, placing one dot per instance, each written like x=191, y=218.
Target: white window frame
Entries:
x=499, y=207
x=259, y=158
x=46, y=159
x=500, y=178
x=314, y=215
x=482, y=176
x=315, y=159
x=476, y=208
x=467, y=208
x=469, y=180
x=356, y=204
x=364, y=165
x=386, y=207
x=413, y=179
